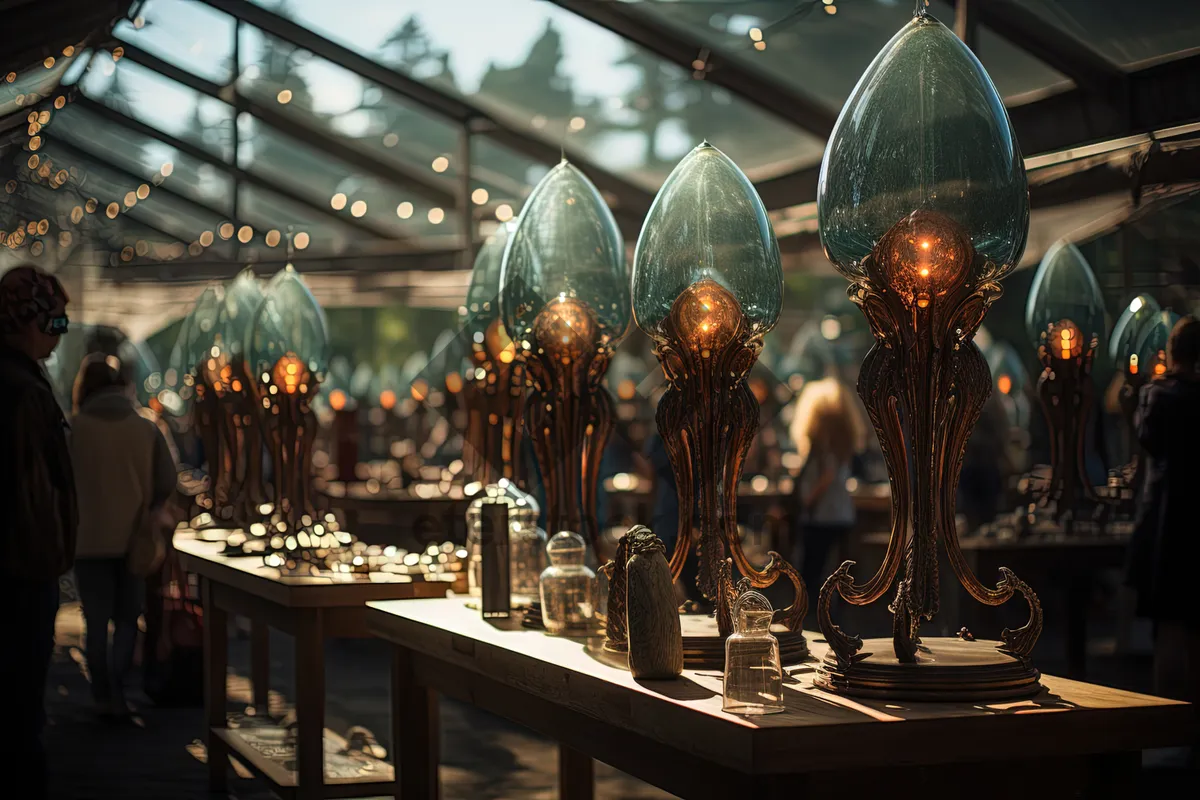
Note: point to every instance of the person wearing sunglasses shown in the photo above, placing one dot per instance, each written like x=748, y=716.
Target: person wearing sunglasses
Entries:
x=38, y=512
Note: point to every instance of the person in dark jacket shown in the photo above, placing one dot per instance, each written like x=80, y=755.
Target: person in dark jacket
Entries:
x=1166, y=545
x=38, y=516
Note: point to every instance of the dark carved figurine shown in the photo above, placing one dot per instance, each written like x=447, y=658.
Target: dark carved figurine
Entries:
x=653, y=628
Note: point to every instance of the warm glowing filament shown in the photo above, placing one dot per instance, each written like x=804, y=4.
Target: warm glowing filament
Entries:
x=1133, y=364
x=387, y=399
x=1160, y=365
x=1004, y=384
x=337, y=399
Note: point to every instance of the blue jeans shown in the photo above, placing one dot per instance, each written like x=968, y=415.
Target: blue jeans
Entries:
x=109, y=591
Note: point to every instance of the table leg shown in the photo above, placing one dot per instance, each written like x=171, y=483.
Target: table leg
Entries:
x=416, y=732
x=260, y=665
x=576, y=775
x=310, y=705
x=216, y=659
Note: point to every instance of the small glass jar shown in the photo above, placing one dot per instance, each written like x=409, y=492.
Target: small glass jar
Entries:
x=568, y=587
x=526, y=541
x=753, y=671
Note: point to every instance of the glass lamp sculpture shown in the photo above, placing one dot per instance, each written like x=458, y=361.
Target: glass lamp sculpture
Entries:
x=202, y=365
x=495, y=386
x=565, y=299
x=1064, y=318
x=707, y=285
x=1011, y=380
x=1126, y=358
x=241, y=437
x=288, y=351
x=922, y=204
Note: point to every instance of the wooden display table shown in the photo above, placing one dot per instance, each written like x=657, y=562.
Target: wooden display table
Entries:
x=674, y=735
x=311, y=609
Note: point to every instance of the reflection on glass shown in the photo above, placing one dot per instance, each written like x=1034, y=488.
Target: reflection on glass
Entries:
x=1151, y=349
x=707, y=223
x=753, y=681
x=922, y=125
x=199, y=330
x=1122, y=33
x=1064, y=289
x=566, y=258
x=526, y=542
x=568, y=587
x=289, y=324
x=190, y=35
x=243, y=298
x=1123, y=342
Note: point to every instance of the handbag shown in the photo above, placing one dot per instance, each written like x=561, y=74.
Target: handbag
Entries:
x=148, y=546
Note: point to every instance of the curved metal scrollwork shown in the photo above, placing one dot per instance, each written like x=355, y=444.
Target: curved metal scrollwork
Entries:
x=707, y=419
x=924, y=384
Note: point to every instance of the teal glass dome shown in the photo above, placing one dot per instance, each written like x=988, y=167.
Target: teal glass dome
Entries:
x=235, y=317
x=1064, y=289
x=200, y=329
x=566, y=256
x=289, y=322
x=489, y=339
x=707, y=223
x=1123, y=341
x=924, y=130
x=1151, y=348
x=1009, y=375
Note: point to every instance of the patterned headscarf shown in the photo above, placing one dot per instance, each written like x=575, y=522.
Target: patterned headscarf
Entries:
x=27, y=294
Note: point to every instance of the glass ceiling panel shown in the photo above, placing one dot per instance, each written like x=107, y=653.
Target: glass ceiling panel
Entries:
x=142, y=156
x=326, y=181
x=26, y=88
x=506, y=176
x=564, y=79
x=312, y=233
x=172, y=108
x=823, y=54
x=191, y=35
x=1124, y=32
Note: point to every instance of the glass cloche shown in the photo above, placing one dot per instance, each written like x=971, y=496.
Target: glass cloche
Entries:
x=1122, y=344
x=924, y=131
x=526, y=541
x=289, y=326
x=235, y=316
x=707, y=223
x=481, y=320
x=568, y=587
x=1151, y=349
x=566, y=258
x=1065, y=304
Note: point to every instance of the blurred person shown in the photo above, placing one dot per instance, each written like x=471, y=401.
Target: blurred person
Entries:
x=827, y=430
x=124, y=474
x=1165, y=544
x=38, y=513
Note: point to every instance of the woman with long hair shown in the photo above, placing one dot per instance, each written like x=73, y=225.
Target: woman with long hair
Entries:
x=827, y=430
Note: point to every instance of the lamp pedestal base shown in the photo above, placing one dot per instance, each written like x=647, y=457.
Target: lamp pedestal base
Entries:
x=947, y=669
x=704, y=647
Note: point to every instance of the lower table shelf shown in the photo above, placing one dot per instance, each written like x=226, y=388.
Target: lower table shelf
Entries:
x=264, y=750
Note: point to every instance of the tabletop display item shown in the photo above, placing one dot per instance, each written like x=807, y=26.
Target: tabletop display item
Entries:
x=923, y=205
x=652, y=613
x=1123, y=349
x=568, y=587
x=495, y=387
x=526, y=541
x=753, y=680
x=565, y=300
x=288, y=352
x=1065, y=320
x=707, y=285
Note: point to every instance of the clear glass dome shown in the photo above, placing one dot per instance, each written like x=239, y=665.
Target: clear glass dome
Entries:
x=568, y=587
x=200, y=329
x=924, y=130
x=1123, y=342
x=1009, y=375
x=526, y=541
x=566, y=257
x=290, y=323
x=483, y=294
x=707, y=222
x=753, y=680
x=1064, y=289
x=1151, y=349
x=235, y=317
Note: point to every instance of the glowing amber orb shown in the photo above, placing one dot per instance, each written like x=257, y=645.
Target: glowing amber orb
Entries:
x=707, y=315
x=337, y=399
x=566, y=329
x=924, y=256
x=499, y=346
x=387, y=399
x=1160, y=363
x=1065, y=341
x=290, y=374
x=1004, y=384
x=419, y=390
x=1133, y=364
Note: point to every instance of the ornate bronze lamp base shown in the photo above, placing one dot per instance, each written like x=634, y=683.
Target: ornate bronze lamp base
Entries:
x=946, y=670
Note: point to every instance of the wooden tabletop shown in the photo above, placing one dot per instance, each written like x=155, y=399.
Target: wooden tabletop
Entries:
x=818, y=731
x=249, y=574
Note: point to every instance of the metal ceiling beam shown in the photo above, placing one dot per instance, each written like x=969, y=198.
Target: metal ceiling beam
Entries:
x=198, y=269
x=759, y=87
x=238, y=174
x=1159, y=96
x=627, y=198
x=287, y=126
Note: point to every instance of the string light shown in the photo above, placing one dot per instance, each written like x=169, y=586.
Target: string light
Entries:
x=130, y=199
x=504, y=212
x=206, y=239
x=760, y=46
x=112, y=210
x=284, y=97
x=436, y=215
x=143, y=192
x=440, y=164
x=577, y=123
x=404, y=210
x=245, y=234
x=300, y=240
x=226, y=230
x=167, y=169
x=359, y=208
x=831, y=9
x=755, y=36
x=338, y=201
x=49, y=62
x=479, y=196
x=69, y=50
x=391, y=140
x=272, y=238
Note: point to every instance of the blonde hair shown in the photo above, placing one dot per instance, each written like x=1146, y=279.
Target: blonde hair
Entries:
x=826, y=418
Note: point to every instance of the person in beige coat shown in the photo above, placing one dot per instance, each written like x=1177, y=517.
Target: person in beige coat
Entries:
x=123, y=473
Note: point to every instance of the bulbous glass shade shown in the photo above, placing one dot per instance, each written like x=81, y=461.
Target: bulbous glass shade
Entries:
x=412, y=377
x=200, y=329
x=566, y=251
x=447, y=361
x=1009, y=375
x=235, y=318
x=925, y=130
x=1123, y=341
x=1151, y=349
x=289, y=322
x=707, y=222
x=483, y=294
x=1064, y=288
